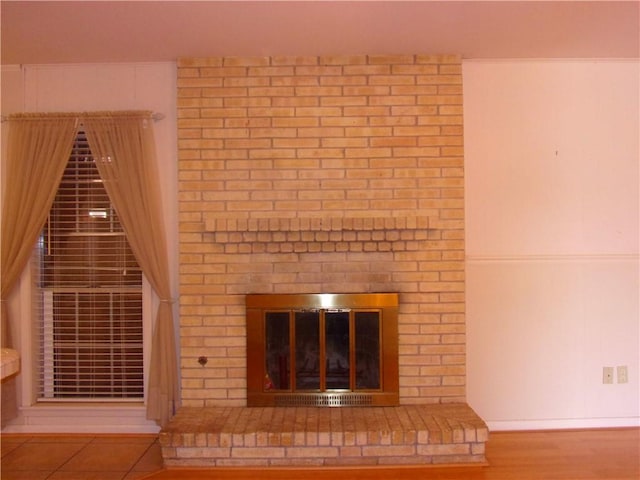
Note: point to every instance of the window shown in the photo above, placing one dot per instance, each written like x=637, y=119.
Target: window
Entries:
x=90, y=293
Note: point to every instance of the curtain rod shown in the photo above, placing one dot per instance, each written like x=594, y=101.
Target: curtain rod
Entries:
x=156, y=116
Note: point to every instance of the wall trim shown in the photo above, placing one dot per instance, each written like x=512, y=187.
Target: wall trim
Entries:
x=562, y=424
x=533, y=258
x=552, y=60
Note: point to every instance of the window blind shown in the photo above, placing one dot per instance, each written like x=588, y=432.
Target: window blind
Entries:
x=90, y=293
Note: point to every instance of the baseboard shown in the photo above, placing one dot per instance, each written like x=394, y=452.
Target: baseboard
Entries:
x=562, y=424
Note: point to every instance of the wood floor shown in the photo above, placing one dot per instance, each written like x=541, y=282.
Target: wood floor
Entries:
x=603, y=454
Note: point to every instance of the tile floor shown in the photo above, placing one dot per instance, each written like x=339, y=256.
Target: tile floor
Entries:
x=78, y=457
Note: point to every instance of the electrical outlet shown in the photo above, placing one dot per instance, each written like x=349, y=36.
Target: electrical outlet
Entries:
x=607, y=374
x=623, y=374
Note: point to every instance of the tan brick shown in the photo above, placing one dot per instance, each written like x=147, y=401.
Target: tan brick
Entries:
x=257, y=452
x=337, y=136
x=311, y=452
x=447, y=449
x=367, y=69
x=189, y=84
x=388, y=450
x=270, y=71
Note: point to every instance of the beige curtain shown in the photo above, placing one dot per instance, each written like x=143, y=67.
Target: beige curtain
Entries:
x=124, y=148
x=37, y=152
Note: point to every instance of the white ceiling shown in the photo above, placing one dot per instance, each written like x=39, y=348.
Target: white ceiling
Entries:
x=36, y=32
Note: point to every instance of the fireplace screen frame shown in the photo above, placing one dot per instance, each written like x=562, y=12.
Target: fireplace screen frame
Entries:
x=260, y=389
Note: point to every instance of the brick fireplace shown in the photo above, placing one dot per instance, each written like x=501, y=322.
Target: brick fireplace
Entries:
x=321, y=174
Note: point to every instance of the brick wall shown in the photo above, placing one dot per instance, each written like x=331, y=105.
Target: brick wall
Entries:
x=320, y=175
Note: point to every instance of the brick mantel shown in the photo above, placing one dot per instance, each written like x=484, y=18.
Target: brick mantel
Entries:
x=320, y=233
x=315, y=224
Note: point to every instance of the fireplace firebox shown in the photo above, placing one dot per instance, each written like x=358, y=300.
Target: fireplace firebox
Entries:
x=322, y=349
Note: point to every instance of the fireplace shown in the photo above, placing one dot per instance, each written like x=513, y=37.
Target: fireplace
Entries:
x=307, y=174
x=321, y=174
x=322, y=349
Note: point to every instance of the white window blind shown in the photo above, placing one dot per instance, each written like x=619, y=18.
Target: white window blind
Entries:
x=90, y=293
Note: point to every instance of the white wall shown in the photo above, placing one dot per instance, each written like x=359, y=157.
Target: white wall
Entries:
x=75, y=88
x=12, y=101
x=552, y=223
x=552, y=163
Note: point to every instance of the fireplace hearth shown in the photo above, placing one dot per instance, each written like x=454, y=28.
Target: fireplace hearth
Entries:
x=322, y=349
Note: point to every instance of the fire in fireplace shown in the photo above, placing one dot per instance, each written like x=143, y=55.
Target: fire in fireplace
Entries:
x=322, y=349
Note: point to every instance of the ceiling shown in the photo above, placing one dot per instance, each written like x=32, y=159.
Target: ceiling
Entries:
x=37, y=32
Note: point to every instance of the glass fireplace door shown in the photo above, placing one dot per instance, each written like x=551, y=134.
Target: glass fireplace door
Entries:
x=325, y=344
x=307, y=348
x=277, y=351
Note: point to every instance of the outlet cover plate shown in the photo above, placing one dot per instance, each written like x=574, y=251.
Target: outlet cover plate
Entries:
x=623, y=374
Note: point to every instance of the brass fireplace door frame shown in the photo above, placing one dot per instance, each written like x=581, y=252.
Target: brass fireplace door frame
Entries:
x=259, y=394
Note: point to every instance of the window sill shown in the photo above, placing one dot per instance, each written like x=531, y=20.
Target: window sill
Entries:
x=59, y=417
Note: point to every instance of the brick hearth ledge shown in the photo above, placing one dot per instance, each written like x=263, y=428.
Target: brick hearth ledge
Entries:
x=308, y=436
